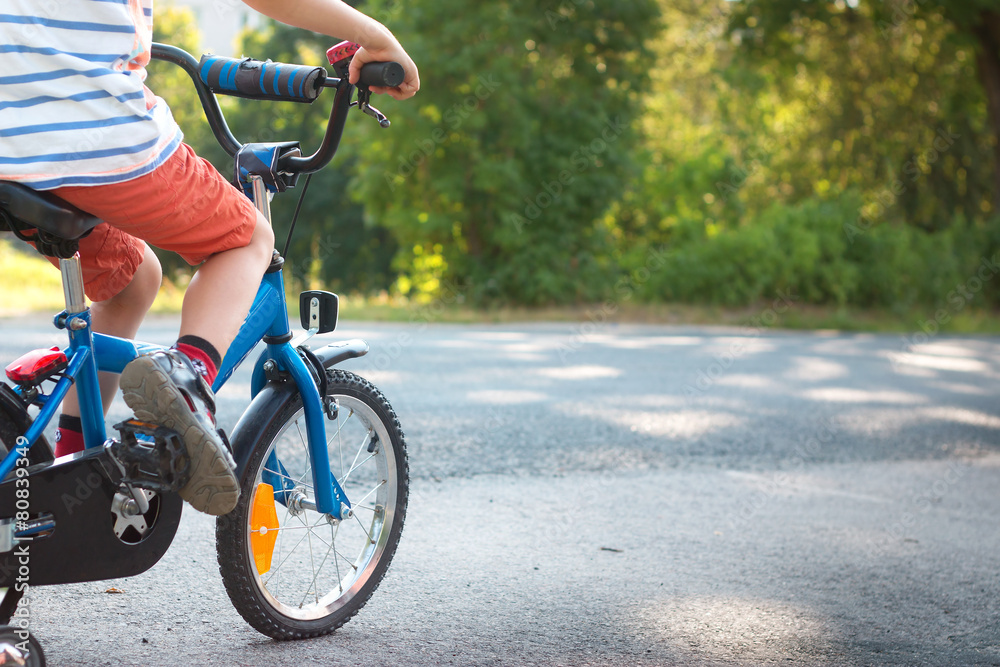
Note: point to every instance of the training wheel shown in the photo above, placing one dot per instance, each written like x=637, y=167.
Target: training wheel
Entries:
x=19, y=647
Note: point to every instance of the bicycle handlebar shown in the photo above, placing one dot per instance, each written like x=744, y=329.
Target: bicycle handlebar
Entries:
x=284, y=76
x=216, y=121
x=258, y=80
x=388, y=75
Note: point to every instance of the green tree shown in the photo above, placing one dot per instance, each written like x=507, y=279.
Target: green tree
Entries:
x=891, y=74
x=819, y=158
x=332, y=245
x=177, y=26
x=498, y=174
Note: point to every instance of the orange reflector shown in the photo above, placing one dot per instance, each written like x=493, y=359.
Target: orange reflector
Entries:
x=263, y=527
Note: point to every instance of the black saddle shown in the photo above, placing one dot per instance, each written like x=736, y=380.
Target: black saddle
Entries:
x=54, y=226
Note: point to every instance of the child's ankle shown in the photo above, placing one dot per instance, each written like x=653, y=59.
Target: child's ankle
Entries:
x=69, y=436
x=203, y=355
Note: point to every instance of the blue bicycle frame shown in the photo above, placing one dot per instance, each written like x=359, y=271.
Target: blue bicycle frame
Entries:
x=267, y=320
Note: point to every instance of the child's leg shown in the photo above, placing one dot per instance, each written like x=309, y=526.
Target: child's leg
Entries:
x=121, y=316
x=221, y=292
x=119, y=311
x=185, y=206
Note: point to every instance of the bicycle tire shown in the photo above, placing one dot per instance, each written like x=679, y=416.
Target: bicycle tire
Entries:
x=33, y=657
x=265, y=603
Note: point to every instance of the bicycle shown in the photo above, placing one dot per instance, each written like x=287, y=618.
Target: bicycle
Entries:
x=320, y=453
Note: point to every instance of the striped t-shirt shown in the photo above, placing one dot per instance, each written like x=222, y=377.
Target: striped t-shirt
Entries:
x=73, y=106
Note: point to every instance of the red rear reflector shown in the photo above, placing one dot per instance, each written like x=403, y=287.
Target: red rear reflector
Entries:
x=36, y=365
x=341, y=51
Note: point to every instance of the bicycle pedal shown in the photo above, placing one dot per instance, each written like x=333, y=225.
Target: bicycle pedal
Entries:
x=152, y=457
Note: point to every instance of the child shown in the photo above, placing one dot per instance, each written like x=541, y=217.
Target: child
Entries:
x=76, y=119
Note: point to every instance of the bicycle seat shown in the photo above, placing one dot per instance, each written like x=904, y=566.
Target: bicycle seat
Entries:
x=22, y=208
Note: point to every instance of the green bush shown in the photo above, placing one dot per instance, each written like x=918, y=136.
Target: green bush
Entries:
x=814, y=252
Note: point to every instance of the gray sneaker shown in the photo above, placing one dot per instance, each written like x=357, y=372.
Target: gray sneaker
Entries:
x=165, y=389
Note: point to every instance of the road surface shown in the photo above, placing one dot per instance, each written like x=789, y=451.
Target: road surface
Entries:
x=594, y=494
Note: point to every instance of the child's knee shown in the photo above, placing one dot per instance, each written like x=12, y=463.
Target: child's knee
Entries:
x=145, y=284
x=263, y=238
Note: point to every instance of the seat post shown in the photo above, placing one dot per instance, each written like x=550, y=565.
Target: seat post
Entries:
x=72, y=280
x=261, y=197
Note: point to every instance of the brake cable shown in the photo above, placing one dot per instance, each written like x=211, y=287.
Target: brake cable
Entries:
x=295, y=216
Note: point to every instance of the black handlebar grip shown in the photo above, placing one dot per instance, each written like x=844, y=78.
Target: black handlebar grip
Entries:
x=256, y=80
x=387, y=75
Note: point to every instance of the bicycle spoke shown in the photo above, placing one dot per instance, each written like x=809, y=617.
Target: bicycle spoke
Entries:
x=370, y=538
x=294, y=481
x=353, y=468
x=340, y=440
x=364, y=445
x=312, y=584
x=312, y=563
x=302, y=439
x=336, y=563
x=357, y=503
x=340, y=427
x=275, y=570
x=350, y=562
x=282, y=529
x=324, y=542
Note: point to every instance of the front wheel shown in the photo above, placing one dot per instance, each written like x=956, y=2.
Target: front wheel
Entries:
x=290, y=571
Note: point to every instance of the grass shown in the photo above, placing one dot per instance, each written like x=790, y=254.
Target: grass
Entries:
x=803, y=317
x=28, y=283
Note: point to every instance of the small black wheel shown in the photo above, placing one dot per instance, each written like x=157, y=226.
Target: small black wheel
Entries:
x=18, y=647
x=290, y=571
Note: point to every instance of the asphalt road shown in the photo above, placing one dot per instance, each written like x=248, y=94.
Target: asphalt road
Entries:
x=630, y=495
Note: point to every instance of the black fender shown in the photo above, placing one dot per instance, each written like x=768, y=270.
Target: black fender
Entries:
x=264, y=410
x=330, y=355
x=269, y=402
x=334, y=353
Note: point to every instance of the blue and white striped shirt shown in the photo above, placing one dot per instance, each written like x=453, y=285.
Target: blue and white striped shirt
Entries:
x=73, y=106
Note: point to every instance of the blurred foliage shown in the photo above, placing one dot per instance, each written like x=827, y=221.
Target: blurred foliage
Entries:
x=496, y=177
x=568, y=151
x=331, y=244
x=844, y=153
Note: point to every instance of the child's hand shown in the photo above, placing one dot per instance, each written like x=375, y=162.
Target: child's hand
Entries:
x=390, y=52
x=336, y=18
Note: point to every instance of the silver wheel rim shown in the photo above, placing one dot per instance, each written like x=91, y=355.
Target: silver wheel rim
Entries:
x=318, y=567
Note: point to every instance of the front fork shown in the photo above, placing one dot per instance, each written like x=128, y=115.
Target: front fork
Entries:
x=330, y=496
x=270, y=302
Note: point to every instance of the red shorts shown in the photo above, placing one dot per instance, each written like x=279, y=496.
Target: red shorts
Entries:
x=184, y=206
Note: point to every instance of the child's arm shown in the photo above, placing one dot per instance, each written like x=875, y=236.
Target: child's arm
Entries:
x=338, y=20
